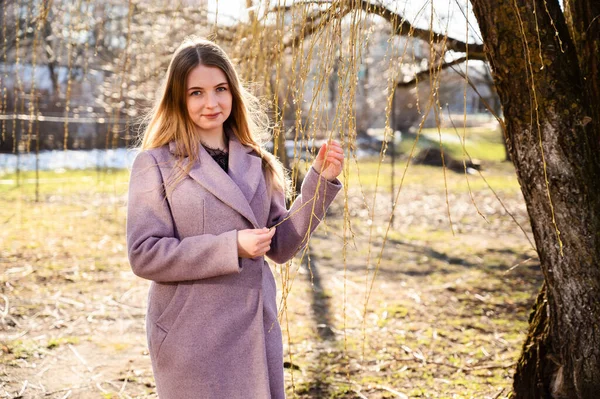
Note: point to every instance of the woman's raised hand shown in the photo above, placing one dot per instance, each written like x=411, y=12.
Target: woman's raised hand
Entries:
x=330, y=160
x=253, y=243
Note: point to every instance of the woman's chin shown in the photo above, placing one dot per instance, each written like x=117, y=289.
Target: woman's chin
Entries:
x=209, y=127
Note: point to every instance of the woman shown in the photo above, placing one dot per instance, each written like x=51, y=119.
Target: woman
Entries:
x=206, y=204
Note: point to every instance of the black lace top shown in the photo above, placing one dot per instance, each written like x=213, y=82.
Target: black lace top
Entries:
x=220, y=156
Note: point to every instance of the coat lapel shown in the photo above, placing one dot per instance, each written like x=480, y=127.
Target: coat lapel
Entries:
x=210, y=175
x=244, y=168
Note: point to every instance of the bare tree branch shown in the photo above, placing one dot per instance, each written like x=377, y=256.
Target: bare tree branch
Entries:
x=299, y=4
x=419, y=76
x=400, y=26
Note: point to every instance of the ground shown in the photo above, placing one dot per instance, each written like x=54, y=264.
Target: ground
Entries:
x=436, y=306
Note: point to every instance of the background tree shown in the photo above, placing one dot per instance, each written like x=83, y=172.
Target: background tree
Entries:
x=548, y=79
x=104, y=61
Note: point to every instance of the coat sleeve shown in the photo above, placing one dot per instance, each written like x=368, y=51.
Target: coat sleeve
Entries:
x=305, y=214
x=155, y=253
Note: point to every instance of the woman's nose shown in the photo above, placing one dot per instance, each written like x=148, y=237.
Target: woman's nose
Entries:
x=211, y=100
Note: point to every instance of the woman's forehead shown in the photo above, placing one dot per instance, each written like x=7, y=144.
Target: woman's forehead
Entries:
x=204, y=77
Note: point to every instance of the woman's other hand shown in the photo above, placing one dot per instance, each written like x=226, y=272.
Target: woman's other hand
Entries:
x=253, y=243
x=330, y=160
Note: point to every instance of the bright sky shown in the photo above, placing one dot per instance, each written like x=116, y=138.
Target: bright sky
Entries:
x=448, y=14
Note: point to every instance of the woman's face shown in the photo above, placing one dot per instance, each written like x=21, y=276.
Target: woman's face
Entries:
x=208, y=99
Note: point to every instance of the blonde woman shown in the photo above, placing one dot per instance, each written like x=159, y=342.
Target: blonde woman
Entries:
x=204, y=198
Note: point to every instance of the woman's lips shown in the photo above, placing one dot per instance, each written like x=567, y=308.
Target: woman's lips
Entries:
x=212, y=116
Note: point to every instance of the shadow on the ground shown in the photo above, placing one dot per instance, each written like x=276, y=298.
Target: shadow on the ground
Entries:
x=483, y=289
x=320, y=386
x=423, y=261
x=320, y=305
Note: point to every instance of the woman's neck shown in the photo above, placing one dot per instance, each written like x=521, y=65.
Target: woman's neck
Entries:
x=214, y=139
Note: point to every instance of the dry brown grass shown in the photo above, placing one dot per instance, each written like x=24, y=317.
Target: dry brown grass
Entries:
x=445, y=318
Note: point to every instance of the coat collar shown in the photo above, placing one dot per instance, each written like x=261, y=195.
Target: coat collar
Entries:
x=235, y=188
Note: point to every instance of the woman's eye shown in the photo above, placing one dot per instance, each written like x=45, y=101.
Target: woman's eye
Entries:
x=195, y=93
x=221, y=89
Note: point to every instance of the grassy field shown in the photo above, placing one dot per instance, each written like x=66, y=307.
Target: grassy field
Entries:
x=485, y=144
x=434, y=305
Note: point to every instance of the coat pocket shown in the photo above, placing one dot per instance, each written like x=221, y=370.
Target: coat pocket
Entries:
x=169, y=317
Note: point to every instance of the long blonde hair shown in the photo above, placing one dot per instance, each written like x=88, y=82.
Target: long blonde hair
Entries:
x=169, y=120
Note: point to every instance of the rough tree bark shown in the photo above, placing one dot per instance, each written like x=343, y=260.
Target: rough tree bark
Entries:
x=546, y=71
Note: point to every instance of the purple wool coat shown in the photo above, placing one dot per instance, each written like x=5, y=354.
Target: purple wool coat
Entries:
x=212, y=323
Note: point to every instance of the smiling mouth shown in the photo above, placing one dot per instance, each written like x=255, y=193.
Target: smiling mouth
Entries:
x=211, y=115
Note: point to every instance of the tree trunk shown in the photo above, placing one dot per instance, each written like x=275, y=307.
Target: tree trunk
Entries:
x=553, y=134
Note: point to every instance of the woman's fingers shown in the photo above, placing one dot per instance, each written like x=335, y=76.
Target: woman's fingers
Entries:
x=330, y=158
x=335, y=156
x=264, y=240
x=266, y=233
x=334, y=145
x=334, y=162
x=264, y=249
x=254, y=242
x=335, y=152
x=322, y=152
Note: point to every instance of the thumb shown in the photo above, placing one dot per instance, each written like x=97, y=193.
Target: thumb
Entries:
x=322, y=151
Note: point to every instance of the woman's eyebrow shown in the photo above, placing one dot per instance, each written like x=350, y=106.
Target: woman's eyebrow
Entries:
x=201, y=88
